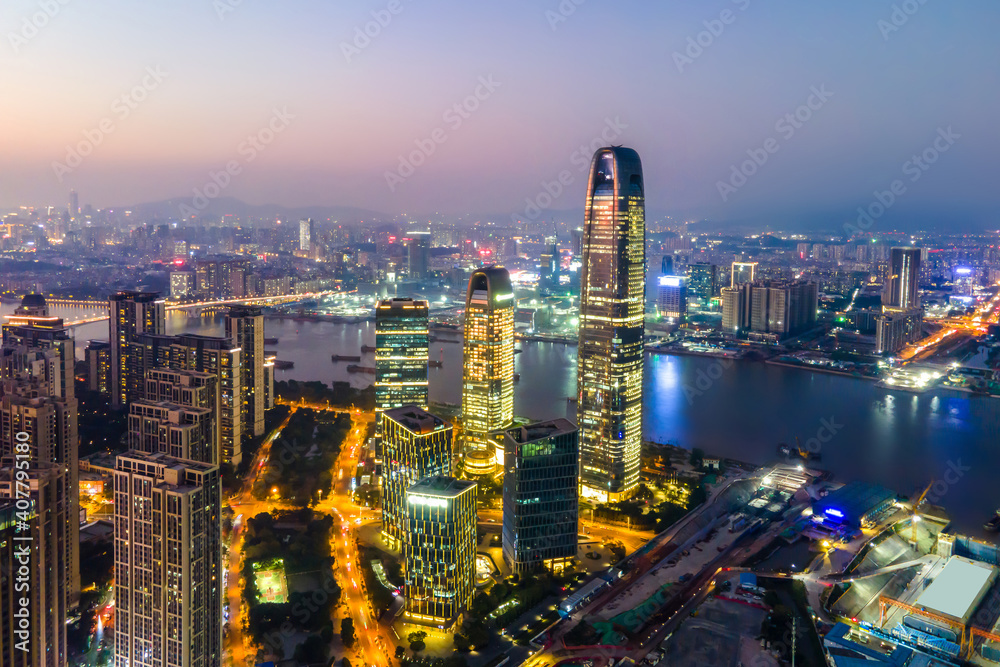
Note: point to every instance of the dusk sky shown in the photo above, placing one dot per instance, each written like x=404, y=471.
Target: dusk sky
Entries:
x=892, y=83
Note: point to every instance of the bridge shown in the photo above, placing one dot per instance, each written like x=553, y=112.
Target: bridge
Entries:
x=216, y=303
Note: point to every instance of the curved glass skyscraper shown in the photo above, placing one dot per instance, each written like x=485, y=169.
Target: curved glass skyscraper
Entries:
x=488, y=359
x=612, y=303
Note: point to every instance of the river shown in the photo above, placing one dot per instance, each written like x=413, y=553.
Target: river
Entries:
x=740, y=410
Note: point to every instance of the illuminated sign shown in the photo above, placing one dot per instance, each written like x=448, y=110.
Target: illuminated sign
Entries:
x=963, y=271
x=836, y=513
x=505, y=297
x=671, y=281
x=427, y=500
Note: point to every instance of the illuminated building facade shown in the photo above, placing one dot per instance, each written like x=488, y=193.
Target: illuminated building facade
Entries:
x=902, y=317
x=671, y=297
x=439, y=549
x=742, y=273
x=612, y=295
x=488, y=356
x=245, y=330
x=540, y=495
x=132, y=314
x=703, y=282
x=44, y=544
x=98, y=357
x=416, y=444
x=305, y=234
x=401, y=349
x=168, y=562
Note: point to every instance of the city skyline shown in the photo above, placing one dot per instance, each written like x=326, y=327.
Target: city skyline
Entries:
x=680, y=112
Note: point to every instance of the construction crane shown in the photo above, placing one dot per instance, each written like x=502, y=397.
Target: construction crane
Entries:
x=916, y=518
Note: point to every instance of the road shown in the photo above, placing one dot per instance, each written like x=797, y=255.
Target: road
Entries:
x=956, y=330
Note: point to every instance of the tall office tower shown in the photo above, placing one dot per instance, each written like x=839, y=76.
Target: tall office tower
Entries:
x=540, y=495
x=612, y=296
x=305, y=234
x=132, y=314
x=33, y=553
x=74, y=204
x=36, y=370
x=667, y=265
x=417, y=444
x=98, y=357
x=488, y=356
x=703, y=281
x=178, y=431
x=742, y=272
x=548, y=267
x=901, y=287
x=401, y=349
x=245, y=330
x=439, y=547
x=736, y=308
x=168, y=562
x=671, y=298
x=418, y=255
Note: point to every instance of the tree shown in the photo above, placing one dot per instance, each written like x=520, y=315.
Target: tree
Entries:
x=345, y=663
x=400, y=652
x=416, y=640
x=617, y=549
x=347, y=632
x=312, y=650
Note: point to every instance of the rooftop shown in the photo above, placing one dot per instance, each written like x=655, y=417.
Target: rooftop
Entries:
x=446, y=487
x=958, y=589
x=416, y=420
x=540, y=430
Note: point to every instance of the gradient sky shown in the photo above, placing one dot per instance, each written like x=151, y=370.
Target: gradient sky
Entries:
x=353, y=120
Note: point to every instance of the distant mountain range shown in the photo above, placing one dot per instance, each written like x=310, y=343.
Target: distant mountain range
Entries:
x=182, y=208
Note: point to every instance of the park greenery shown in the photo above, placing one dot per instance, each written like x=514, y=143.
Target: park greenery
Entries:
x=340, y=394
x=301, y=539
x=299, y=467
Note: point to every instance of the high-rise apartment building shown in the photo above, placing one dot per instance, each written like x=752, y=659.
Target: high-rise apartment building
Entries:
x=488, y=356
x=540, y=495
x=168, y=562
x=178, y=431
x=612, y=303
x=439, y=548
x=33, y=552
x=416, y=444
x=703, y=282
x=736, y=308
x=401, y=350
x=132, y=314
x=418, y=255
x=97, y=354
x=182, y=283
x=781, y=308
x=742, y=272
x=245, y=330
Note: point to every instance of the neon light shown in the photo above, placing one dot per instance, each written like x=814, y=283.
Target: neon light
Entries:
x=836, y=513
x=670, y=281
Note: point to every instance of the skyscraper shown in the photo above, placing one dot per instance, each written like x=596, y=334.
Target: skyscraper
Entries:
x=703, y=281
x=418, y=252
x=33, y=627
x=902, y=284
x=540, y=495
x=417, y=444
x=612, y=295
x=168, y=562
x=245, y=330
x=488, y=357
x=36, y=374
x=305, y=234
x=401, y=350
x=671, y=297
x=439, y=547
x=74, y=204
x=132, y=314
x=98, y=357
